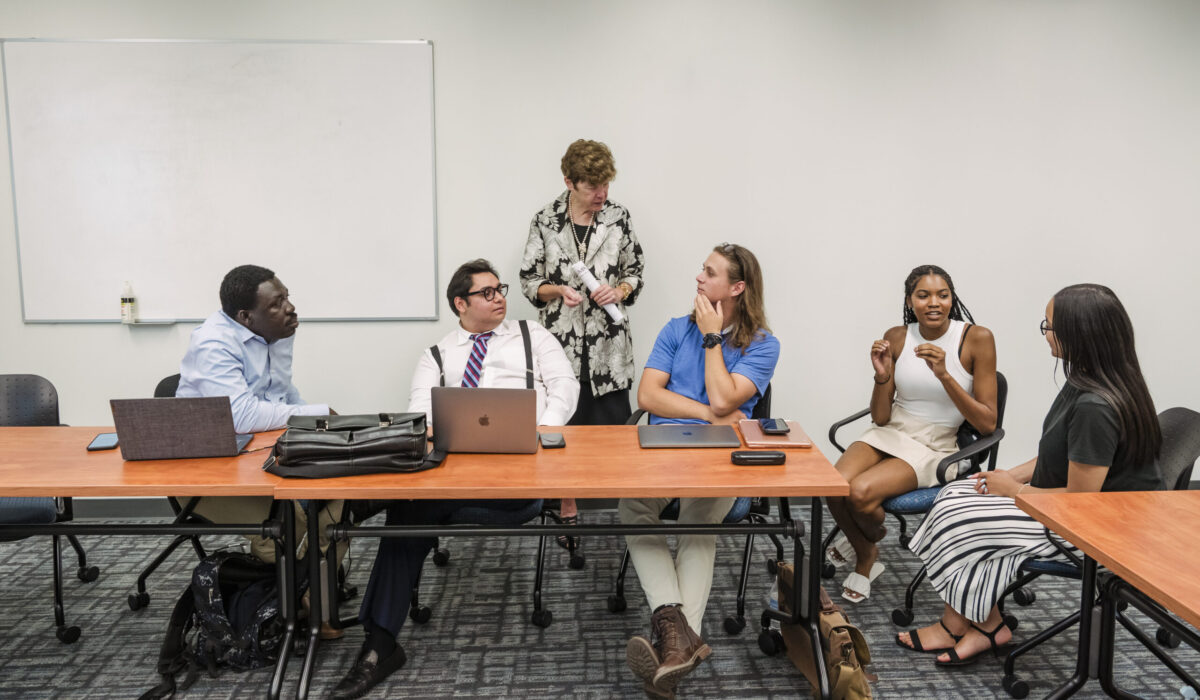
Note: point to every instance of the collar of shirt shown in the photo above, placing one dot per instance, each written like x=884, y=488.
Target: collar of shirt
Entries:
x=463, y=336
x=242, y=333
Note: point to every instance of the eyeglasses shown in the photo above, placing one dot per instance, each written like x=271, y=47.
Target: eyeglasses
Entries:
x=1045, y=326
x=490, y=293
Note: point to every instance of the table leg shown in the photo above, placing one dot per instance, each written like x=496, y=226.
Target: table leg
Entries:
x=313, y=510
x=1083, y=660
x=815, y=560
x=285, y=562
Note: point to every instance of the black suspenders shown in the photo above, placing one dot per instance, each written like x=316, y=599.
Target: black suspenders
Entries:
x=525, y=339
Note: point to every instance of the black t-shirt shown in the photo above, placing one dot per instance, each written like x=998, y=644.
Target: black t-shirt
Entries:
x=1082, y=427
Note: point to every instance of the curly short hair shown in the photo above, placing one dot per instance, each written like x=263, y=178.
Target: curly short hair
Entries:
x=239, y=289
x=588, y=161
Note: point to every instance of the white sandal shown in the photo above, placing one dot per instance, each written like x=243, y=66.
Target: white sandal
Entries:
x=840, y=552
x=857, y=588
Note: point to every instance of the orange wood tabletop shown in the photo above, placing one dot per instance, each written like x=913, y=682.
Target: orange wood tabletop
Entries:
x=598, y=462
x=1145, y=537
x=54, y=461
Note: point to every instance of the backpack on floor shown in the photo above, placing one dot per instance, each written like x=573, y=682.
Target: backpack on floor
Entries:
x=228, y=617
x=845, y=647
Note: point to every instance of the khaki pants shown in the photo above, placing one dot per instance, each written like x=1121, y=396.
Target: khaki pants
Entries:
x=687, y=579
x=254, y=509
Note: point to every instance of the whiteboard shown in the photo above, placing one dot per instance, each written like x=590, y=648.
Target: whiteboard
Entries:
x=168, y=163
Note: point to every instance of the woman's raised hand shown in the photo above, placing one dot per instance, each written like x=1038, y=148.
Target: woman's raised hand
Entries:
x=934, y=356
x=881, y=360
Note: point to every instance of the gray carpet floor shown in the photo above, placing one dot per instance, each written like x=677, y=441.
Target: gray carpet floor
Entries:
x=480, y=643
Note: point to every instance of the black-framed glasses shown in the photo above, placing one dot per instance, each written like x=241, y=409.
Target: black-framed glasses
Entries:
x=490, y=293
x=1045, y=326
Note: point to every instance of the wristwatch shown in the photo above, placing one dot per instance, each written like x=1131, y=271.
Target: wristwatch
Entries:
x=711, y=340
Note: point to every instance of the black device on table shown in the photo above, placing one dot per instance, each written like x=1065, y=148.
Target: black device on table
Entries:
x=774, y=426
x=103, y=441
x=756, y=458
x=552, y=440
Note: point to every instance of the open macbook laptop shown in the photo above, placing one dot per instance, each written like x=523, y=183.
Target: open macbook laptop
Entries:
x=500, y=421
x=688, y=435
x=175, y=428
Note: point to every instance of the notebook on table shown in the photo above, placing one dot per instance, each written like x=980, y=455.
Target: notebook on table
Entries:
x=176, y=428
x=687, y=435
x=754, y=436
x=498, y=421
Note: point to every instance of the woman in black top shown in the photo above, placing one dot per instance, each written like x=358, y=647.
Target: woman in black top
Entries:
x=1101, y=434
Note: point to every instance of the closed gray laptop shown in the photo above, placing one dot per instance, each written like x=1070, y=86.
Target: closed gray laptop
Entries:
x=176, y=428
x=688, y=435
x=502, y=421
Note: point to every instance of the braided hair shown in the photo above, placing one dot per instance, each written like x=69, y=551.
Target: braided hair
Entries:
x=958, y=310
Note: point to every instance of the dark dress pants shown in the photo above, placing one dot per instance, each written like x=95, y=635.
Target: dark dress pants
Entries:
x=398, y=564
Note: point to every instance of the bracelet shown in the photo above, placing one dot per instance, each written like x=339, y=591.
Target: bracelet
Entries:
x=879, y=383
x=626, y=289
x=1018, y=493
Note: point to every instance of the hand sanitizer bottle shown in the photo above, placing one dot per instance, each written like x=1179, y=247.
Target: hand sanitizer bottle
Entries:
x=128, y=305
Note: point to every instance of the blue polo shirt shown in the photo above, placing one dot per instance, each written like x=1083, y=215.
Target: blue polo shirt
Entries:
x=679, y=351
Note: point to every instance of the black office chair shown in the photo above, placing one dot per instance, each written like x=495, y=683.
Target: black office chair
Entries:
x=183, y=515
x=982, y=453
x=30, y=400
x=1180, y=450
x=744, y=508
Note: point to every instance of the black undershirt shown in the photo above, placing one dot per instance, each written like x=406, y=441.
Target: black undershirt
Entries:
x=582, y=233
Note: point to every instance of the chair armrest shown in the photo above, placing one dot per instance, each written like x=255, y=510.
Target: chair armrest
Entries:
x=845, y=421
x=1063, y=550
x=980, y=446
x=636, y=417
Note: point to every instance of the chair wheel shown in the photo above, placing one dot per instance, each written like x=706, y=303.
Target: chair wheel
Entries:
x=542, y=618
x=1015, y=686
x=902, y=618
x=1011, y=622
x=1024, y=596
x=1166, y=639
x=577, y=561
x=616, y=603
x=828, y=570
x=905, y=539
x=772, y=567
x=137, y=601
x=771, y=642
x=67, y=635
x=87, y=574
x=734, y=625
x=347, y=593
x=420, y=615
x=441, y=557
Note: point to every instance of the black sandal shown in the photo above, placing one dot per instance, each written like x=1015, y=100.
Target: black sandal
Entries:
x=916, y=641
x=956, y=661
x=568, y=542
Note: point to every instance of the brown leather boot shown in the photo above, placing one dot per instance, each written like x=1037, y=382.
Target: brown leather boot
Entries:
x=679, y=647
x=642, y=656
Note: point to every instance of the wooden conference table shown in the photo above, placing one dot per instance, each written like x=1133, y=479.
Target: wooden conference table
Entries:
x=598, y=462
x=1147, y=540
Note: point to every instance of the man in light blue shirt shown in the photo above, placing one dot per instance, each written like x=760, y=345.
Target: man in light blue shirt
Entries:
x=244, y=351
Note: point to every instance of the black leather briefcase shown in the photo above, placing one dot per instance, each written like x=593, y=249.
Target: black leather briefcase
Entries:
x=318, y=447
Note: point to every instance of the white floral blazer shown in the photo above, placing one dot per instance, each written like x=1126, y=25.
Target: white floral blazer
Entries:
x=614, y=256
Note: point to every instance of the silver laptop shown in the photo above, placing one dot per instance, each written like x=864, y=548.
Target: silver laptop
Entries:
x=175, y=428
x=688, y=435
x=502, y=421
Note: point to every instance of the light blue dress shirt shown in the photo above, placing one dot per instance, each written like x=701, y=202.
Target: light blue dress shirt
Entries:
x=227, y=359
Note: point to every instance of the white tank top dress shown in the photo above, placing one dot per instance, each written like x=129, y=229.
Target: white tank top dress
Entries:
x=923, y=429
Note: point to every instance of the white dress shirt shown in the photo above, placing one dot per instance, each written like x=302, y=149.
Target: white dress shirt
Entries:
x=503, y=368
x=225, y=358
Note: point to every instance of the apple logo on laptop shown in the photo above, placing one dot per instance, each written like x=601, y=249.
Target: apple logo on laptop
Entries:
x=484, y=420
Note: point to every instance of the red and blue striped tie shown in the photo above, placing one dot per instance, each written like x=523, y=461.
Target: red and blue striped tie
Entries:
x=475, y=361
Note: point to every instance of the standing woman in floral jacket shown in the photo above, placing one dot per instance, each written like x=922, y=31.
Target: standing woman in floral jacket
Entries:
x=582, y=224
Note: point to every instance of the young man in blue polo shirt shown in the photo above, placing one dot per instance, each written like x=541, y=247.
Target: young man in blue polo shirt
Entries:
x=709, y=367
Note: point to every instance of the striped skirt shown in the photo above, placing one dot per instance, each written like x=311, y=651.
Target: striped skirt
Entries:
x=972, y=545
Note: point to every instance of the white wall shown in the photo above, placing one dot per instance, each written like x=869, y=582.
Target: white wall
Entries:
x=1023, y=145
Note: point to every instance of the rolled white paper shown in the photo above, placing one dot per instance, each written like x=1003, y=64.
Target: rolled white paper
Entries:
x=589, y=280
